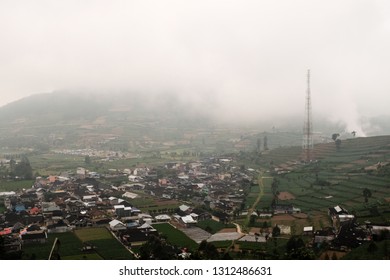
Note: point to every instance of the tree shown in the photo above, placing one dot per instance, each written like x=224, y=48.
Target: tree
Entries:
x=372, y=247
x=87, y=159
x=276, y=231
x=338, y=144
x=265, y=143
x=296, y=249
x=157, y=249
x=336, y=140
x=367, y=194
x=252, y=220
x=335, y=136
x=258, y=145
x=23, y=169
x=207, y=251
x=326, y=257
x=2, y=249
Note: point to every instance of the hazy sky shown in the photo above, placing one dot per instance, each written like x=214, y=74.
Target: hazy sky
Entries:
x=249, y=57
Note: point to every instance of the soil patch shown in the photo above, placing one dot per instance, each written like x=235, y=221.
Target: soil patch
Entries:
x=225, y=230
x=285, y=196
x=300, y=215
x=282, y=218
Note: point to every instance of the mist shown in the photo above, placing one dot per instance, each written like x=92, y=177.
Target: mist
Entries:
x=238, y=61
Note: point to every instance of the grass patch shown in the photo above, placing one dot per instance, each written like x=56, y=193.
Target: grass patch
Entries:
x=7, y=186
x=212, y=226
x=111, y=249
x=106, y=245
x=89, y=234
x=246, y=245
x=370, y=251
x=175, y=236
x=70, y=246
x=92, y=256
x=47, y=164
x=222, y=244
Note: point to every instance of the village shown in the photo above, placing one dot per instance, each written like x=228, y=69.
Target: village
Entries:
x=181, y=194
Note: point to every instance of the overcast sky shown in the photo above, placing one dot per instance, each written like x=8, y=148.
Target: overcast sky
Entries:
x=247, y=56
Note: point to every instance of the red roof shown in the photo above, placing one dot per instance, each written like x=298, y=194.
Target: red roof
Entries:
x=6, y=231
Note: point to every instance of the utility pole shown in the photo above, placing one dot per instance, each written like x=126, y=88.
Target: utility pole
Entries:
x=307, y=145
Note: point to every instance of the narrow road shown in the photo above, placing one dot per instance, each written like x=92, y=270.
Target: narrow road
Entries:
x=238, y=227
x=261, y=194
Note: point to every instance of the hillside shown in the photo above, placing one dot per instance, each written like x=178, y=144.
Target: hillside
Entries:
x=139, y=122
x=64, y=119
x=336, y=177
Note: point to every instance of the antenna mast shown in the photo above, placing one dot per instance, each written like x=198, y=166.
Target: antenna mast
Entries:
x=307, y=145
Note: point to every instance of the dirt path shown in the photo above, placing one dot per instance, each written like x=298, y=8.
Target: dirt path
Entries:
x=238, y=228
x=261, y=194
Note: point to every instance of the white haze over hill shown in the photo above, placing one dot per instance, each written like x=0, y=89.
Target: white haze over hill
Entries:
x=239, y=60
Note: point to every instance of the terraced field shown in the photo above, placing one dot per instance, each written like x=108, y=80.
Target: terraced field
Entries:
x=338, y=177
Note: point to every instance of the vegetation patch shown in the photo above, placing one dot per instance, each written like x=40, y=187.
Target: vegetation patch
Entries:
x=285, y=196
x=89, y=234
x=212, y=226
x=8, y=186
x=91, y=256
x=70, y=245
x=175, y=236
x=111, y=249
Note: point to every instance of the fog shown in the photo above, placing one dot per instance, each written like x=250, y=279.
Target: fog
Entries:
x=240, y=60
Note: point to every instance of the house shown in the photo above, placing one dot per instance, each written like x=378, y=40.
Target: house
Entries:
x=18, y=227
x=134, y=178
x=11, y=243
x=345, y=218
x=187, y=221
x=119, y=210
x=186, y=209
x=146, y=227
x=113, y=200
x=351, y=235
x=96, y=214
x=59, y=227
x=116, y=225
x=335, y=211
x=308, y=230
x=221, y=217
x=202, y=215
x=33, y=234
x=283, y=209
x=135, y=236
x=19, y=207
x=48, y=208
x=123, y=211
x=6, y=231
x=324, y=235
x=162, y=218
x=34, y=211
x=380, y=232
x=130, y=195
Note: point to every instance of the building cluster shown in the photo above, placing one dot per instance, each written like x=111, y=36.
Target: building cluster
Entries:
x=213, y=188
x=62, y=203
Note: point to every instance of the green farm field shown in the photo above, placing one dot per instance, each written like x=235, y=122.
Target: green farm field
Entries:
x=337, y=177
x=175, y=236
x=7, y=186
x=71, y=244
x=106, y=245
x=89, y=234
